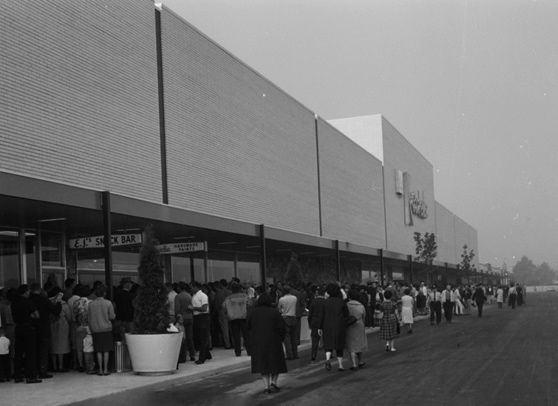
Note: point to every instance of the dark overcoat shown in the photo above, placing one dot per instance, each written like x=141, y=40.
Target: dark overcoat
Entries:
x=334, y=323
x=267, y=330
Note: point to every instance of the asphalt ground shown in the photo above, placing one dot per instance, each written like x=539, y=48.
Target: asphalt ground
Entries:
x=507, y=357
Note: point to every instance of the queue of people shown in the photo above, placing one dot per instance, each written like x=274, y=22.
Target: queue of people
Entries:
x=78, y=326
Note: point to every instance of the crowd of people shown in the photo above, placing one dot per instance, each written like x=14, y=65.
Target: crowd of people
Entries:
x=48, y=330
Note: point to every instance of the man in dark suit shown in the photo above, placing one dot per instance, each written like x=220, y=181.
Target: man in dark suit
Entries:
x=479, y=298
x=315, y=316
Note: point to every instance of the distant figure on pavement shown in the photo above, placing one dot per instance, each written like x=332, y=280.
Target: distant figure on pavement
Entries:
x=333, y=325
x=315, y=317
x=500, y=297
x=512, y=296
x=479, y=298
x=267, y=330
x=448, y=302
x=434, y=301
x=407, y=305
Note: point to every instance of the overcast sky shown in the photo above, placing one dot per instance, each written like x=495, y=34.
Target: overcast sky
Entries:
x=472, y=84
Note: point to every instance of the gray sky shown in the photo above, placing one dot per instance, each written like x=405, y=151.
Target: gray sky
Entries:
x=472, y=84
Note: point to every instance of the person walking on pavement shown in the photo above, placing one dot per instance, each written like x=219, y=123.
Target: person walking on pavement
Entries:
x=479, y=298
x=356, y=340
x=267, y=331
x=183, y=308
x=448, y=301
x=434, y=302
x=512, y=296
x=334, y=325
x=388, y=323
x=315, y=317
x=500, y=297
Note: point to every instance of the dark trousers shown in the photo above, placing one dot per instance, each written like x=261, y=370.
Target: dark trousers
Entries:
x=189, y=337
x=43, y=349
x=511, y=301
x=479, y=308
x=4, y=367
x=238, y=330
x=291, y=346
x=435, y=312
x=448, y=311
x=25, y=349
x=298, y=328
x=201, y=332
x=315, y=342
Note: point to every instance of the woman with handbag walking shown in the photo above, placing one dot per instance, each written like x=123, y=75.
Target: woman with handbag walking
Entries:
x=334, y=325
x=389, y=321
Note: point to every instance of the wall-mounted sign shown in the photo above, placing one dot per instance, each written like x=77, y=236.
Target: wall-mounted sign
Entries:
x=99, y=241
x=182, y=247
x=417, y=205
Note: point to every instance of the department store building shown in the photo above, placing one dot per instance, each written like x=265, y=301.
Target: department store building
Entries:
x=117, y=115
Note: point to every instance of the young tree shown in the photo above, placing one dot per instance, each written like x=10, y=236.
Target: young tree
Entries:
x=426, y=250
x=151, y=313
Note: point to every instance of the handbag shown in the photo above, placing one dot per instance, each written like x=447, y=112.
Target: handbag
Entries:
x=350, y=320
x=378, y=314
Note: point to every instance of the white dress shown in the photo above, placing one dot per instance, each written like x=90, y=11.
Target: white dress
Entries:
x=407, y=303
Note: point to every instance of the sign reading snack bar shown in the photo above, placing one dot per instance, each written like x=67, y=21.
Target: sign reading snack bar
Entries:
x=99, y=241
x=182, y=247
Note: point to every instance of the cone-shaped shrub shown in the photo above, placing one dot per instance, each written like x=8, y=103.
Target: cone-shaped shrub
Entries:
x=151, y=313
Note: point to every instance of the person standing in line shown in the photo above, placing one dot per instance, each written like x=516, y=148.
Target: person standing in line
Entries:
x=221, y=294
x=448, y=302
x=301, y=298
x=267, y=330
x=101, y=314
x=235, y=308
x=512, y=296
x=479, y=298
x=287, y=307
x=4, y=356
x=434, y=301
x=388, y=323
x=500, y=297
x=200, y=307
x=407, y=306
x=356, y=340
x=80, y=311
x=519, y=292
x=315, y=317
x=183, y=308
x=334, y=325
x=59, y=331
x=24, y=313
x=46, y=309
x=7, y=321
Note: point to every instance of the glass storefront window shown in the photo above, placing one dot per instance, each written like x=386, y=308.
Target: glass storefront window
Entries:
x=52, y=249
x=180, y=269
x=249, y=272
x=91, y=266
x=9, y=261
x=218, y=269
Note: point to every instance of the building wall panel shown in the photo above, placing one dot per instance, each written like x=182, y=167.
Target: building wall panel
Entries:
x=445, y=235
x=351, y=190
x=79, y=94
x=399, y=154
x=237, y=145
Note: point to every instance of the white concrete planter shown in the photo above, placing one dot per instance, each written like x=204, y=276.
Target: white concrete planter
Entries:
x=154, y=354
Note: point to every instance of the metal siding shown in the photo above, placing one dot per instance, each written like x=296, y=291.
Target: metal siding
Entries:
x=79, y=94
x=400, y=154
x=351, y=190
x=445, y=235
x=237, y=146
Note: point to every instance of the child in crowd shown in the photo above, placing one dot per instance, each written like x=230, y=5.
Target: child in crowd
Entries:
x=89, y=353
x=4, y=356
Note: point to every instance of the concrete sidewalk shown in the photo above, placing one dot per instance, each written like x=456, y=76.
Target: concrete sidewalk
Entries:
x=70, y=387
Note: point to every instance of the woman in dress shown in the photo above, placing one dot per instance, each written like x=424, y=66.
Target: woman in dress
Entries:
x=59, y=331
x=388, y=323
x=356, y=341
x=333, y=325
x=407, y=306
x=267, y=330
x=100, y=315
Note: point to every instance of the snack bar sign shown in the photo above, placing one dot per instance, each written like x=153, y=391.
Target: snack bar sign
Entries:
x=184, y=247
x=99, y=241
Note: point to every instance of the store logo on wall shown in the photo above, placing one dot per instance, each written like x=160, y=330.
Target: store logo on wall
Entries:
x=413, y=202
x=417, y=205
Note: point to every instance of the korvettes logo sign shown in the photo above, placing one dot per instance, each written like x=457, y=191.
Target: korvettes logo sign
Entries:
x=417, y=205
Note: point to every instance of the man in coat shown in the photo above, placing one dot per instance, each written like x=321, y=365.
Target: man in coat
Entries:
x=448, y=301
x=315, y=317
x=479, y=298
